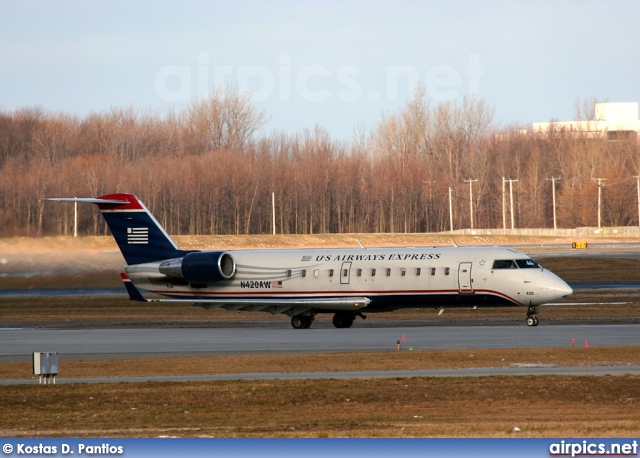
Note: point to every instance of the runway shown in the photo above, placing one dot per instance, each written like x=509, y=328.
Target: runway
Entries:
x=18, y=344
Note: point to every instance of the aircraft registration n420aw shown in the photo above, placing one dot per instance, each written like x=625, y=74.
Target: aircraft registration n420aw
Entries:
x=304, y=282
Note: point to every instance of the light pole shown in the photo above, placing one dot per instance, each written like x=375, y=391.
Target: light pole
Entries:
x=637, y=177
x=553, y=187
x=273, y=211
x=511, y=180
x=470, y=181
x=504, y=206
x=600, y=185
x=450, y=211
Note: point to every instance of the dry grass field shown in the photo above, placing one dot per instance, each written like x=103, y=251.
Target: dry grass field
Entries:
x=559, y=406
x=542, y=406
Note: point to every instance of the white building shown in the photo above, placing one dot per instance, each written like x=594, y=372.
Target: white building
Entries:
x=613, y=120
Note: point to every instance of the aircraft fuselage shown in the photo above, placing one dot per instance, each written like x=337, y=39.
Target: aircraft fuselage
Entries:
x=391, y=278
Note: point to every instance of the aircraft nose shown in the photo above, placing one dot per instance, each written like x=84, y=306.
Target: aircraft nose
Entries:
x=556, y=288
x=562, y=288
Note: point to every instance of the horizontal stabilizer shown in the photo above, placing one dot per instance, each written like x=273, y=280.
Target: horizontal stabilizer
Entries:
x=89, y=200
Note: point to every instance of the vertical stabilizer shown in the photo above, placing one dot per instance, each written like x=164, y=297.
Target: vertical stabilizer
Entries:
x=138, y=234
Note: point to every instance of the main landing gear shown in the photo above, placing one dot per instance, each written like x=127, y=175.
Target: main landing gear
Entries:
x=302, y=321
x=340, y=320
x=532, y=319
x=345, y=319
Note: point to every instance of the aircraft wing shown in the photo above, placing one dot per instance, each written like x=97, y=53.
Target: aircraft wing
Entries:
x=275, y=306
x=272, y=305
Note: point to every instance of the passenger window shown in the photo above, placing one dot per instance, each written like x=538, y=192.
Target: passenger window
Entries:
x=504, y=264
x=304, y=273
x=418, y=271
x=388, y=272
x=345, y=272
x=331, y=272
x=373, y=272
x=433, y=271
x=403, y=271
x=288, y=274
x=446, y=271
x=359, y=272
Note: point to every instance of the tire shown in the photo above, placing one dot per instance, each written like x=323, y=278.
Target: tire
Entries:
x=299, y=322
x=343, y=320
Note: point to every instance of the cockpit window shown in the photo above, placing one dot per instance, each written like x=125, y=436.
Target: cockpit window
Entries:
x=504, y=264
x=527, y=263
x=509, y=264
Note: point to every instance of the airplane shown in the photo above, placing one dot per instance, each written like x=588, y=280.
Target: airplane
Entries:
x=302, y=283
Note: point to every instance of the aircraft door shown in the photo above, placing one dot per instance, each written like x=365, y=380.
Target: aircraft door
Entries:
x=345, y=273
x=464, y=278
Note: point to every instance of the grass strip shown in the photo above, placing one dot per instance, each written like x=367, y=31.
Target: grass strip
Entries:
x=540, y=406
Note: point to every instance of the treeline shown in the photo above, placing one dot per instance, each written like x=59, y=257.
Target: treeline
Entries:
x=210, y=169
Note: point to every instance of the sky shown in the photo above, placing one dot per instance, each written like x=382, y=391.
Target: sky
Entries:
x=336, y=64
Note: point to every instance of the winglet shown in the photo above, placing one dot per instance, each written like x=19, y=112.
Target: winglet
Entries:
x=360, y=243
x=134, y=294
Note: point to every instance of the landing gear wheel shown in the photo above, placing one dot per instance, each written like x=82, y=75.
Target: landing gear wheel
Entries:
x=301, y=322
x=343, y=319
x=532, y=319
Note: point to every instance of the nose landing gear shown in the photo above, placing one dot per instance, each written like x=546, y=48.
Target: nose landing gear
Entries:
x=532, y=319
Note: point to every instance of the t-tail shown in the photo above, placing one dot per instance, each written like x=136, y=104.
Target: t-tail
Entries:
x=138, y=234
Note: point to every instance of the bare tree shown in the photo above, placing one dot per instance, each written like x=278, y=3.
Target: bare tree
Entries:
x=223, y=120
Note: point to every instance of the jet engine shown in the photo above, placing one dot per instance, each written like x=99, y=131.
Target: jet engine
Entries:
x=201, y=267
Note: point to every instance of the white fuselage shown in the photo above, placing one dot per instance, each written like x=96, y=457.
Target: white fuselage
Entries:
x=390, y=278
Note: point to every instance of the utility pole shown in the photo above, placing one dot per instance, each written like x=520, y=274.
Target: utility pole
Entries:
x=504, y=206
x=470, y=181
x=450, y=211
x=553, y=187
x=637, y=177
x=600, y=185
x=511, y=180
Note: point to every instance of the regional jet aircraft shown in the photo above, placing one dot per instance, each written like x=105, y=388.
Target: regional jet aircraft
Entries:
x=301, y=283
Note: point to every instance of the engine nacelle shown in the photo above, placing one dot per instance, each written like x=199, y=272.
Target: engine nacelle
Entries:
x=201, y=267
